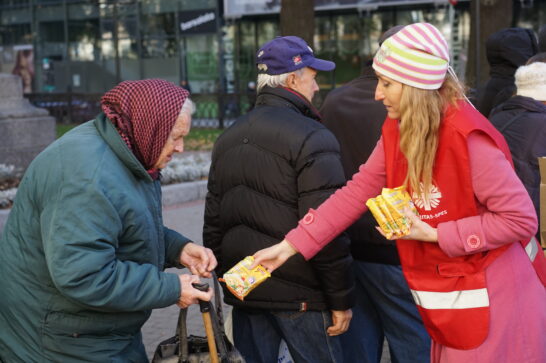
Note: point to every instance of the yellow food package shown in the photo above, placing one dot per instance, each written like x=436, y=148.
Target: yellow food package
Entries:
x=380, y=217
x=391, y=204
x=403, y=195
x=241, y=280
x=396, y=200
x=381, y=202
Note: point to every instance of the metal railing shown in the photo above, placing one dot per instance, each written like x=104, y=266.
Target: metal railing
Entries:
x=68, y=107
x=212, y=110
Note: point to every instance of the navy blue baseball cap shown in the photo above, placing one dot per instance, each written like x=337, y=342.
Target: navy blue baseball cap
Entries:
x=288, y=54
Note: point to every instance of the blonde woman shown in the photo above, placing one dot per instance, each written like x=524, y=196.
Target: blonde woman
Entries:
x=470, y=261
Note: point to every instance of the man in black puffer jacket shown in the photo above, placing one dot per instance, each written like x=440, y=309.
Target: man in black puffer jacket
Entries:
x=267, y=170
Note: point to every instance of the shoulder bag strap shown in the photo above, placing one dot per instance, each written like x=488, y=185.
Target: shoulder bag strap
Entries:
x=511, y=121
x=182, y=336
x=218, y=301
x=218, y=319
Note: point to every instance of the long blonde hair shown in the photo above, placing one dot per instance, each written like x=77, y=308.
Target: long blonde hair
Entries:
x=421, y=112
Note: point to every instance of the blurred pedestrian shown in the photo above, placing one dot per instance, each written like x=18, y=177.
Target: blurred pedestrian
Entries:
x=506, y=50
x=267, y=169
x=522, y=122
x=24, y=68
x=186, y=85
x=384, y=307
x=84, y=248
x=470, y=257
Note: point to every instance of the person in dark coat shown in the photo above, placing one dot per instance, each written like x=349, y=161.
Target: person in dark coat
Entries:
x=84, y=248
x=506, y=50
x=267, y=169
x=384, y=307
x=186, y=85
x=522, y=121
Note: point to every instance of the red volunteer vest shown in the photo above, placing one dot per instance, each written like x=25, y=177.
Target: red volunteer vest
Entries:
x=450, y=292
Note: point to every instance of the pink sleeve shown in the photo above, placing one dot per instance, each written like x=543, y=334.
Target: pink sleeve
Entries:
x=318, y=227
x=506, y=213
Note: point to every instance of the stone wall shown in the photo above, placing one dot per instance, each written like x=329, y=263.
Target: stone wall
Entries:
x=25, y=130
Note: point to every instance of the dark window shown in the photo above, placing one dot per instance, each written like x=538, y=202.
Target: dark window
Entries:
x=158, y=25
x=52, y=31
x=15, y=34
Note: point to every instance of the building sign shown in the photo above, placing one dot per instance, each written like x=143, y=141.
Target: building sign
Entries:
x=197, y=22
x=238, y=8
x=229, y=52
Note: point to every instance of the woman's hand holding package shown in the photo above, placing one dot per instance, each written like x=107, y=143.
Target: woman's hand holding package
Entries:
x=198, y=259
x=419, y=231
x=190, y=295
x=273, y=257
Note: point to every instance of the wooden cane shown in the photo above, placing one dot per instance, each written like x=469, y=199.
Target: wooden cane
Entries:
x=205, y=311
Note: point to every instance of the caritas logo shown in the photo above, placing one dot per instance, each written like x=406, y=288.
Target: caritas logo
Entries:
x=433, y=201
x=297, y=59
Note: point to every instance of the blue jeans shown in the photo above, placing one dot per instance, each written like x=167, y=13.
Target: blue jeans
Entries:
x=384, y=309
x=258, y=334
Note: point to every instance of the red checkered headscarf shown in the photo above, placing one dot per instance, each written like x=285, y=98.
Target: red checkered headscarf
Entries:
x=144, y=113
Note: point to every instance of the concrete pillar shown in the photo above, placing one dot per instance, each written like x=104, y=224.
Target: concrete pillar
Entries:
x=25, y=130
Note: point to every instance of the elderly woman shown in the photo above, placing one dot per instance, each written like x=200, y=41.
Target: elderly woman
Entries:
x=84, y=248
x=470, y=258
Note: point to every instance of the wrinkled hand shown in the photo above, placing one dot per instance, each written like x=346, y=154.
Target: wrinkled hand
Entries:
x=341, y=320
x=198, y=259
x=273, y=257
x=419, y=231
x=191, y=295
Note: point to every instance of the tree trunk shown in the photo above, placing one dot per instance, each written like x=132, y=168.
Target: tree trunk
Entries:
x=493, y=15
x=298, y=18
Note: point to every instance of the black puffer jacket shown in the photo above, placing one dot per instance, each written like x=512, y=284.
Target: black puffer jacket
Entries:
x=506, y=50
x=355, y=118
x=267, y=170
x=526, y=138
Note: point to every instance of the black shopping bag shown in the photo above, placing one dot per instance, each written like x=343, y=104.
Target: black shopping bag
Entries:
x=194, y=349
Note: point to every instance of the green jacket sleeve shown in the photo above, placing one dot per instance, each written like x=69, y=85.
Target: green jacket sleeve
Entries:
x=174, y=243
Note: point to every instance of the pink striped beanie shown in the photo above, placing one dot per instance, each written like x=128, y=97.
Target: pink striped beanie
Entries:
x=417, y=55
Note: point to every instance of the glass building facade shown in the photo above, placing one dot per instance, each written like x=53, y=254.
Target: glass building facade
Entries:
x=86, y=47
x=89, y=46
x=349, y=37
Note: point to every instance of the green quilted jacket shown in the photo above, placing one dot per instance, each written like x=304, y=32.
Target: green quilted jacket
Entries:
x=82, y=253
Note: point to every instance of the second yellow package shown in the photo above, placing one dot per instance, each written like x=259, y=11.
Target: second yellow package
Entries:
x=388, y=210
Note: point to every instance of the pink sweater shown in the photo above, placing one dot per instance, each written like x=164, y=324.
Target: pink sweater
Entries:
x=517, y=298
